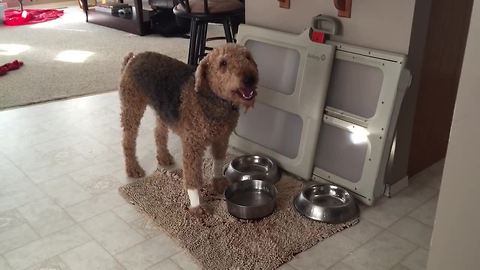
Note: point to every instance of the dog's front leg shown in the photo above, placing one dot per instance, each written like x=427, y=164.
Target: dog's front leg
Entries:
x=219, y=152
x=193, y=176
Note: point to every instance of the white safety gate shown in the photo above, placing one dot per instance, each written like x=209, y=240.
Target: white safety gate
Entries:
x=323, y=111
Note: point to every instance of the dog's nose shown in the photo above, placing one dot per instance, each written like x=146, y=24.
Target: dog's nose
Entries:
x=249, y=80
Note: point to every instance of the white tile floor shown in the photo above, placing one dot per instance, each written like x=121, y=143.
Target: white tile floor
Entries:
x=61, y=165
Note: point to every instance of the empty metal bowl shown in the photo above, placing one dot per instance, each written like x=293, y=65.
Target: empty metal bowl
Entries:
x=327, y=203
x=251, y=199
x=252, y=167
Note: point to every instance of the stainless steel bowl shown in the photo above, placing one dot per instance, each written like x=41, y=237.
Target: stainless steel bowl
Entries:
x=250, y=167
x=327, y=203
x=251, y=199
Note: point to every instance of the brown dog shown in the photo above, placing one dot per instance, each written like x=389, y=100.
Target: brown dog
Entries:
x=200, y=106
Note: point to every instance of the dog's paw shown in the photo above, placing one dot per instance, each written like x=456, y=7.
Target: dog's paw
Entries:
x=165, y=160
x=220, y=184
x=135, y=171
x=197, y=211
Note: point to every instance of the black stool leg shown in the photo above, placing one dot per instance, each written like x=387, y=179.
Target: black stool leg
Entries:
x=193, y=38
x=236, y=21
x=228, y=30
x=203, y=41
x=198, y=42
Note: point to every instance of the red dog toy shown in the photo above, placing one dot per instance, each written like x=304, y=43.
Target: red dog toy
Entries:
x=10, y=66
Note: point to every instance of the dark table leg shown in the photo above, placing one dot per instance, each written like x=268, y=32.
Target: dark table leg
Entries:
x=85, y=8
x=139, y=13
x=193, y=38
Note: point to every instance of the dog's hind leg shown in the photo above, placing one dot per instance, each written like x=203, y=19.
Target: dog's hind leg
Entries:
x=133, y=107
x=192, y=173
x=219, y=152
x=164, y=157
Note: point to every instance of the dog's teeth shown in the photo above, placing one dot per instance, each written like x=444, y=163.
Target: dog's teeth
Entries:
x=247, y=97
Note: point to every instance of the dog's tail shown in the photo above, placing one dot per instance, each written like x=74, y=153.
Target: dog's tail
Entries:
x=127, y=59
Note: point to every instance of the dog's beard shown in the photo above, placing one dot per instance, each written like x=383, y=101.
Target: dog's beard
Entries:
x=248, y=107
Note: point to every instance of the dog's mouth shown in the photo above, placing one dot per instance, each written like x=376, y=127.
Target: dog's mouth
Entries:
x=246, y=94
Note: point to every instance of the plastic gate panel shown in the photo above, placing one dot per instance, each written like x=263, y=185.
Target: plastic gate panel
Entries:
x=294, y=75
x=363, y=103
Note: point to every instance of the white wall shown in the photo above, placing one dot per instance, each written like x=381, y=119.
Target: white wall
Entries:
x=380, y=24
x=456, y=234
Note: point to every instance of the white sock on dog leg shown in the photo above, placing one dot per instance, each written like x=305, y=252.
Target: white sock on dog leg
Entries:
x=194, y=197
x=218, y=168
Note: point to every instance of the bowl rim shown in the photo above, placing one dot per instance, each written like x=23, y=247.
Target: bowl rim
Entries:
x=349, y=199
x=271, y=186
x=270, y=161
x=295, y=203
x=273, y=174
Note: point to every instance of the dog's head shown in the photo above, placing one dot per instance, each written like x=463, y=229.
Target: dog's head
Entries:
x=231, y=73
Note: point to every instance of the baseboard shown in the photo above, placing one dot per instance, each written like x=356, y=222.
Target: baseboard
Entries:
x=396, y=187
x=15, y=4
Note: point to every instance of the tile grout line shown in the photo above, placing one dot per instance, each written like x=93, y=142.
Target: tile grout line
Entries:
x=111, y=254
x=77, y=224
x=101, y=246
x=144, y=239
x=407, y=213
x=349, y=253
x=43, y=167
x=6, y=261
x=399, y=236
x=183, y=250
x=50, y=233
x=423, y=204
x=174, y=262
x=48, y=258
x=31, y=182
x=78, y=203
x=65, y=208
x=133, y=229
x=382, y=231
x=404, y=257
x=162, y=231
x=34, y=231
x=355, y=249
x=386, y=230
x=421, y=222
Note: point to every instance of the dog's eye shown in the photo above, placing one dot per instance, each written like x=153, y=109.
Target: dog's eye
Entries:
x=223, y=63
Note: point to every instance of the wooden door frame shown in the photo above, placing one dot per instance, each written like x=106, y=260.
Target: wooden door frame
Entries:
x=438, y=74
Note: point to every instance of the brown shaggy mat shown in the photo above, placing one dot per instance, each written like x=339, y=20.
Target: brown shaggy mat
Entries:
x=221, y=241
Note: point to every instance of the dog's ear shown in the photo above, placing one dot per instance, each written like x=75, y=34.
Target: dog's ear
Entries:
x=201, y=80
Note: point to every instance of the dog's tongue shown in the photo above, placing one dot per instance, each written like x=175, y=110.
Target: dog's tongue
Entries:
x=247, y=93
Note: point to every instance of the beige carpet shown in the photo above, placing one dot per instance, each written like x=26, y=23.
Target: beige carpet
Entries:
x=222, y=241
x=44, y=77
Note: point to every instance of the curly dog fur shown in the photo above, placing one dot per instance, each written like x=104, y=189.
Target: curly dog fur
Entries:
x=200, y=105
